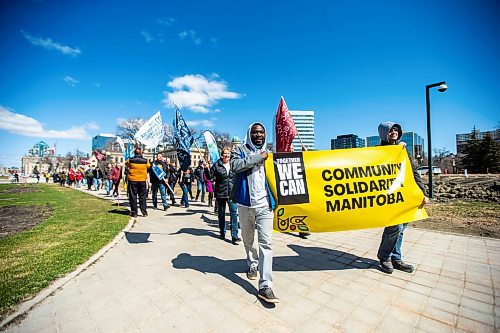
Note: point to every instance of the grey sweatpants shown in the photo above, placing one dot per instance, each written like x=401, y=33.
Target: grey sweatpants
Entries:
x=260, y=218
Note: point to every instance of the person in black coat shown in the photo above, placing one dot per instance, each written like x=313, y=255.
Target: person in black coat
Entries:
x=224, y=182
x=389, y=252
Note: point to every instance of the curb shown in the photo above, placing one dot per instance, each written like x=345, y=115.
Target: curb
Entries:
x=59, y=283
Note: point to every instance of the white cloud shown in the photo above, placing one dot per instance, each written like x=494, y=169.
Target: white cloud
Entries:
x=198, y=93
x=192, y=34
x=71, y=81
x=167, y=22
x=49, y=44
x=147, y=36
x=98, y=85
x=17, y=123
x=202, y=123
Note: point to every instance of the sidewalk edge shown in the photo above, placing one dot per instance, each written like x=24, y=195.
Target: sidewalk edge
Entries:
x=59, y=283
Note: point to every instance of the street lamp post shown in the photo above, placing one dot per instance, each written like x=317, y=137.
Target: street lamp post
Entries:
x=442, y=88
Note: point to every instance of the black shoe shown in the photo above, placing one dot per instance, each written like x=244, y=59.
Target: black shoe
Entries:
x=155, y=206
x=252, y=273
x=386, y=266
x=401, y=266
x=236, y=240
x=222, y=236
x=166, y=207
x=304, y=235
x=267, y=295
x=133, y=214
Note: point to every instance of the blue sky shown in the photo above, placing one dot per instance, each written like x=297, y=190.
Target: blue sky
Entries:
x=71, y=70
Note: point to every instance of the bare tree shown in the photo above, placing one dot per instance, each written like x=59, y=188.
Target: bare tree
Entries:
x=126, y=129
x=168, y=135
x=439, y=156
x=223, y=138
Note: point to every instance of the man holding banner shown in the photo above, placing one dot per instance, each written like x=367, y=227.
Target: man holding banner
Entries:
x=255, y=207
x=158, y=174
x=389, y=252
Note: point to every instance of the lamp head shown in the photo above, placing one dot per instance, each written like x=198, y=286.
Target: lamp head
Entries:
x=442, y=88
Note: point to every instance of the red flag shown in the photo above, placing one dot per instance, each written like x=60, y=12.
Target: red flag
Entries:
x=100, y=156
x=72, y=174
x=285, y=128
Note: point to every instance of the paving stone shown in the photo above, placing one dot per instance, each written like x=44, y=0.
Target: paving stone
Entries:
x=478, y=296
x=474, y=326
x=433, y=326
x=485, y=318
x=186, y=282
x=440, y=315
x=443, y=305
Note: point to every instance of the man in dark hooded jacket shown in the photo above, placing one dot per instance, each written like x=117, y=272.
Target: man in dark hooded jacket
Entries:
x=389, y=252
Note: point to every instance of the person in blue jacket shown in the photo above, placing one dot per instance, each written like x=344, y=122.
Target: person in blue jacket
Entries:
x=255, y=207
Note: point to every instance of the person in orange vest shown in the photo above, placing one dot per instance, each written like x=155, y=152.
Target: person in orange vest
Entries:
x=137, y=182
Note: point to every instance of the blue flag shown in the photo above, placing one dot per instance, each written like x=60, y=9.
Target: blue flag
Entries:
x=182, y=135
x=184, y=159
x=183, y=140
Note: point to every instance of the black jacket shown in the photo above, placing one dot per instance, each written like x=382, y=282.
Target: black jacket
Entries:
x=416, y=176
x=224, y=182
x=198, y=173
x=172, y=174
x=152, y=175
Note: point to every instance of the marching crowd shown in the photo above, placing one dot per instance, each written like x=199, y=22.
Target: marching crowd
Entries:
x=236, y=181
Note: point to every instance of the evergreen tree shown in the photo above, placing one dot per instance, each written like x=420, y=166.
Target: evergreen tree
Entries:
x=491, y=157
x=481, y=155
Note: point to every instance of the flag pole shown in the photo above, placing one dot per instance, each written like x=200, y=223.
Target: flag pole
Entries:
x=300, y=139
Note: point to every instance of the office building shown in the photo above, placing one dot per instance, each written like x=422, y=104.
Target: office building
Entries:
x=463, y=139
x=304, y=121
x=347, y=141
x=103, y=141
x=414, y=144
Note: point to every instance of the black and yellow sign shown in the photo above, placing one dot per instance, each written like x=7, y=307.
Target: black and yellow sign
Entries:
x=345, y=189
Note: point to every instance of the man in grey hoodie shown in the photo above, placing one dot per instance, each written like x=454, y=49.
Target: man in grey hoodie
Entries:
x=255, y=207
x=389, y=252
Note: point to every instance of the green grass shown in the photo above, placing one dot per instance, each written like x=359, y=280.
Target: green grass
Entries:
x=80, y=225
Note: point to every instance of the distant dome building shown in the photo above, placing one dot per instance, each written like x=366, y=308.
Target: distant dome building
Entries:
x=235, y=141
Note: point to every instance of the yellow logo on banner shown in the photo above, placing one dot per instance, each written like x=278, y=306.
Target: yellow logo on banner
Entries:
x=345, y=189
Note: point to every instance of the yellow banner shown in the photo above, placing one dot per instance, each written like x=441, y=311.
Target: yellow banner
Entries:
x=345, y=189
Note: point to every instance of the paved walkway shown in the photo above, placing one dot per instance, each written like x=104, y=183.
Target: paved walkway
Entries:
x=171, y=273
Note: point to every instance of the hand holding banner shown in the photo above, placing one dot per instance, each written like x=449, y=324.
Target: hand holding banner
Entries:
x=346, y=189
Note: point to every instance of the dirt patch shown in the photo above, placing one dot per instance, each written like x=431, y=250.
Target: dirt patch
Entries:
x=19, y=189
x=464, y=217
x=14, y=219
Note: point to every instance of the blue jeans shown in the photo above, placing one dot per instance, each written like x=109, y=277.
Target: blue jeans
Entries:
x=200, y=187
x=163, y=194
x=260, y=218
x=108, y=184
x=185, y=197
x=390, y=246
x=97, y=183
x=221, y=212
